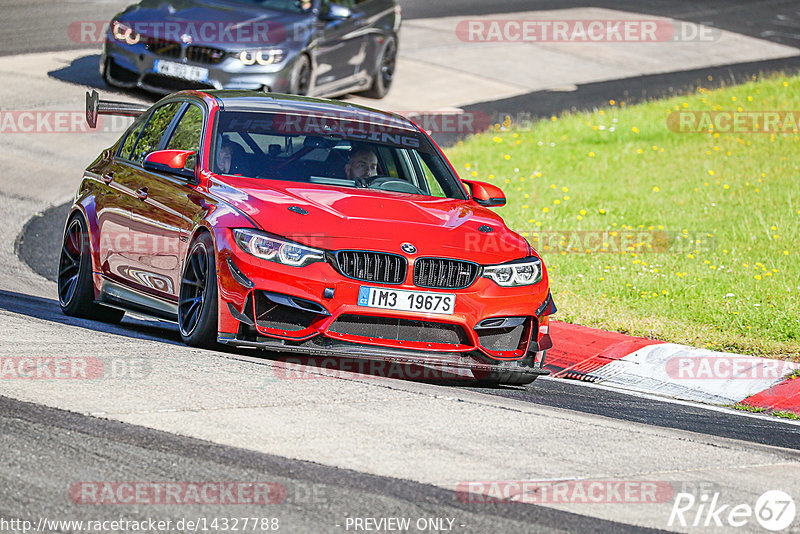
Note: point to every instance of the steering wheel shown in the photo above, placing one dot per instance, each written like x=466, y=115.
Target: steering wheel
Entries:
x=390, y=183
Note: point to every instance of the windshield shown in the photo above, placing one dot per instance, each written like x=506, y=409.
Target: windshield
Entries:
x=293, y=6
x=331, y=151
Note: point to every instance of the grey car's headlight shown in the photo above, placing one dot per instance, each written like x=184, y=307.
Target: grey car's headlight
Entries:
x=276, y=249
x=121, y=32
x=262, y=57
x=524, y=272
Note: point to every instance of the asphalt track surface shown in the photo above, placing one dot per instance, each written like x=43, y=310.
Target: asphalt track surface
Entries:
x=42, y=240
x=39, y=25
x=44, y=447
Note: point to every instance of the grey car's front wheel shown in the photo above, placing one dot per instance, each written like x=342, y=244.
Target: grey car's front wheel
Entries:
x=383, y=77
x=300, y=81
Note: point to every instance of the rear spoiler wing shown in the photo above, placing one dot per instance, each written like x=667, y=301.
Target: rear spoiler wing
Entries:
x=96, y=107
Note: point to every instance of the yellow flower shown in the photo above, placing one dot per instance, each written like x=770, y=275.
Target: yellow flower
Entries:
x=583, y=212
x=635, y=129
x=498, y=139
x=640, y=151
x=474, y=174
x=656, y=189
x=758, y=277
x=564, y=189
x=556, y=202
x=611, y=102
x=711, y=173
x=602, y=212
x=507, y=157
x=580, y=217
x=726, y=186
x=591, y=154
x=546, y=210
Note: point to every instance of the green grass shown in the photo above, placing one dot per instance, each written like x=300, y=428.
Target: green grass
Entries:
x=725, y=274
x=757, y=409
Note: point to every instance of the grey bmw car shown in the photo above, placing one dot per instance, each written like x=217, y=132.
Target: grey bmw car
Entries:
x=305, y=47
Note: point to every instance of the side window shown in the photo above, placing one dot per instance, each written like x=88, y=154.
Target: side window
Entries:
x=153, y=130
x=188, y=133
x=433, y=185
x=130, y=141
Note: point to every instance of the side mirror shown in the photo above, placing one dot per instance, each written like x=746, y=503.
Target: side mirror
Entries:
x=485, y=194
x=170, y=162
x=336, y=12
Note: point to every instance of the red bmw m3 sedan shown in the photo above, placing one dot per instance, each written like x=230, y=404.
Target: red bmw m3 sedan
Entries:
x=306, y=226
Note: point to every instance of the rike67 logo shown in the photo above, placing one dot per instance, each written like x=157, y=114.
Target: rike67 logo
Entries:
x=774, y=510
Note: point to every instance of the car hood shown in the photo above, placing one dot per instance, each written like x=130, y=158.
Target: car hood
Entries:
x=345, y=218
x=226, y=24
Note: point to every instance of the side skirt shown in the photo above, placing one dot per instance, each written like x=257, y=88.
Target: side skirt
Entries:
x=125, y=298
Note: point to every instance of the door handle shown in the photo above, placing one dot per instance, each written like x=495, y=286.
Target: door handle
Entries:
x=141, y=193
x=107, y=178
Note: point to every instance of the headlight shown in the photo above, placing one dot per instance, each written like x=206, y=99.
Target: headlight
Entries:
x=262, y=57
x=122, y=32
x=276, y=249
x=524, y=272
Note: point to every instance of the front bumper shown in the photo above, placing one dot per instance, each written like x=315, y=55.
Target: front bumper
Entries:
x=314, y=310
x=441, y=366
x=131, y=66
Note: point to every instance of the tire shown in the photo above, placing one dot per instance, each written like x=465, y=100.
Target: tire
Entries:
x=75, y=285
x=197, y=308
x=300, y=81
x=384, y=70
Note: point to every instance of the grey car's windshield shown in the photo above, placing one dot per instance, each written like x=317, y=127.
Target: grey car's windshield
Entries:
x=293, y=6
x=331, y=151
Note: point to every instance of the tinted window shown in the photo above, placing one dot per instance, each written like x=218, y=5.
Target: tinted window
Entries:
x=130, y=141
x=153, y=131
x=188, y=133
x=380, y=153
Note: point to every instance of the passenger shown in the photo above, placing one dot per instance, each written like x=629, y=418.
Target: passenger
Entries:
x=362, y=165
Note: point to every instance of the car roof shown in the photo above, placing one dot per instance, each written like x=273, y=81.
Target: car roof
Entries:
x=229, y=100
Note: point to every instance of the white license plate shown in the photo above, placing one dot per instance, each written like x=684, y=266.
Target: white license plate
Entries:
x=414, y=301
x=179, y=70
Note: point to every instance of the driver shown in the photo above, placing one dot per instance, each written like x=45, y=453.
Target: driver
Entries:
x=225, y=157
x=362, y=165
